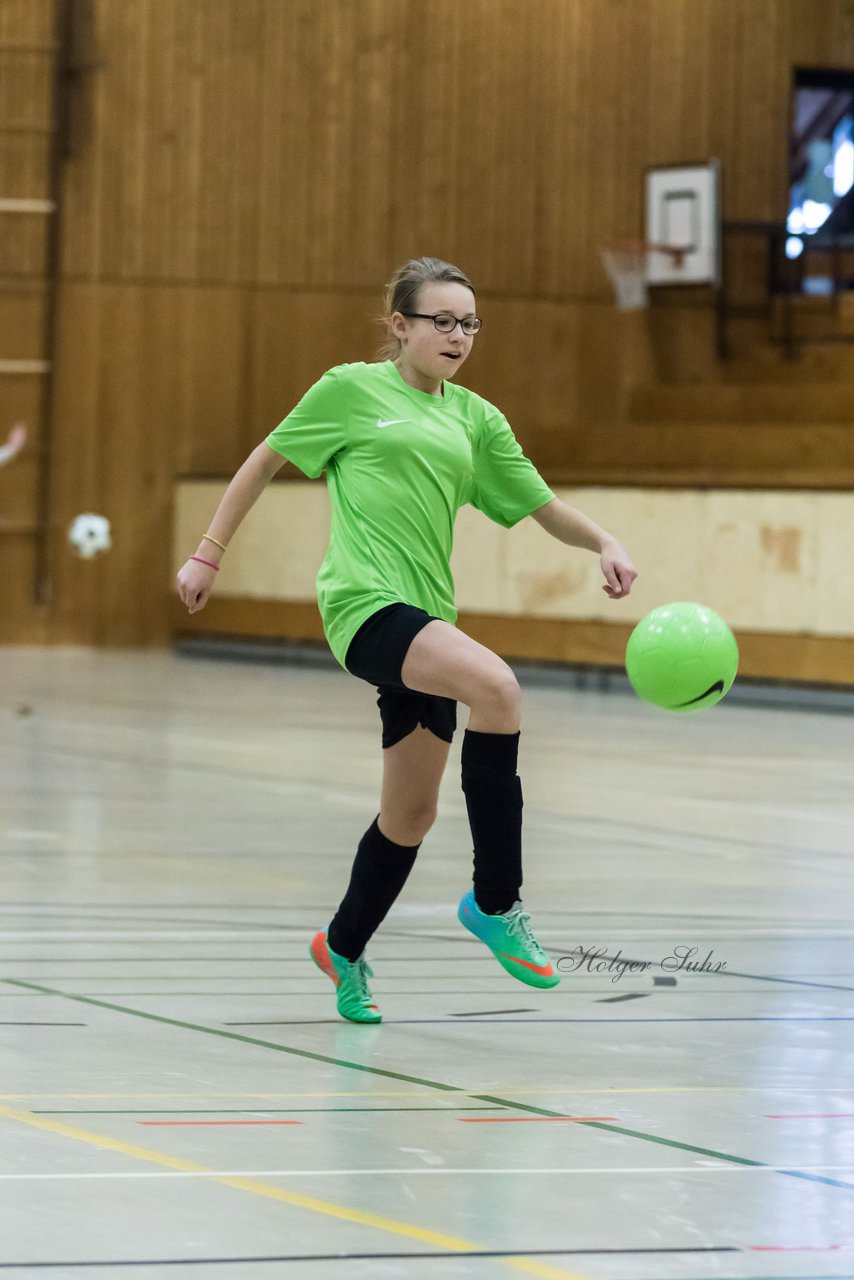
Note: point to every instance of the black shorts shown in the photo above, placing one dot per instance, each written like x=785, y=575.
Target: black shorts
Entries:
x=376, y=654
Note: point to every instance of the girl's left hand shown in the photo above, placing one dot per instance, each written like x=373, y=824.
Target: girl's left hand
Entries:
x=618, y=569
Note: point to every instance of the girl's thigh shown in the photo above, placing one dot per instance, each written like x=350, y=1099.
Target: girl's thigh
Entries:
x=443, y=660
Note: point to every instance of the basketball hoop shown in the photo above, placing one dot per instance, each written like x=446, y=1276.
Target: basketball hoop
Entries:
x=627, y=265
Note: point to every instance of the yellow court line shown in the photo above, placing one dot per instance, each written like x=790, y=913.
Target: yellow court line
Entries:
x=529, y=1266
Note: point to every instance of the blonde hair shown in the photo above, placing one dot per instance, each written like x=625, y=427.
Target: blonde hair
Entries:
x=401, y=293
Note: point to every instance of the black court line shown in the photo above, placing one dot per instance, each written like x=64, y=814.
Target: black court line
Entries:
x=790, y=982
x=11, y=905
x=636, y=995
x=301, y=1022
x=283, y=1022
x=484, y=1019
x=111, y=922
x=278, y=958
x=483, y=1013
x=378, y=1257
x=606, y=1022
x=225, y=958
x=12, y=909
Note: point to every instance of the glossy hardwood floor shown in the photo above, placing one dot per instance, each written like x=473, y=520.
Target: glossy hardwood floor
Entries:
x=180, y=1098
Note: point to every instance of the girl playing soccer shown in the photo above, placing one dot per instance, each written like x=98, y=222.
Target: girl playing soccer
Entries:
x=403, y=449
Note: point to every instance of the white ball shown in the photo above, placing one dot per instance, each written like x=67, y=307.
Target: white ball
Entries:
x=89, y=535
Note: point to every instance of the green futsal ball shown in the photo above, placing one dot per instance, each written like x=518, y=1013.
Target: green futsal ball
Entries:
x=682, y=657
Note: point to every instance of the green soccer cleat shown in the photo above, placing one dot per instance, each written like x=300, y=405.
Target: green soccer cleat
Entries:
x=355, y=1001
x=511, y=941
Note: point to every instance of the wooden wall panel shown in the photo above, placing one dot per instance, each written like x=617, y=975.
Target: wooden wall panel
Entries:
x=80, y=434
x=317, y=142
x=25, y=23
x=24, y=86
x=166, y=393
x=23, y=163
x=25, y=72
x=244, y=174
x=21, y=322
x=296, y=336
x=20, y=622
x=26, y=80
x=23, y=247
x=20, y=399
x=19, y=494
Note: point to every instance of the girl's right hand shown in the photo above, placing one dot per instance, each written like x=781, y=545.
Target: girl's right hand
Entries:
x=195, y=583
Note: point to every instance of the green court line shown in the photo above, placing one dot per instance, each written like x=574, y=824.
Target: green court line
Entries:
x=233, y=1035
x=433, y=1084
x=634, y=1133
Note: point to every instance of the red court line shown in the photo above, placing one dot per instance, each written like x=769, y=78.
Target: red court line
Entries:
x=830, y=1115
x=184, y=1123
x=533, y=1119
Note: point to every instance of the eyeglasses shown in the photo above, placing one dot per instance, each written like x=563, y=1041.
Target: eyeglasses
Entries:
x=446, y=323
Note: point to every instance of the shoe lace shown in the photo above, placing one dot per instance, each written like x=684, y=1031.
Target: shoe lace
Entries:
x=520, y=927
x=359, y=973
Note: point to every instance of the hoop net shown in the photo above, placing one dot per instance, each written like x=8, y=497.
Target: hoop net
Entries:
x=627, y=265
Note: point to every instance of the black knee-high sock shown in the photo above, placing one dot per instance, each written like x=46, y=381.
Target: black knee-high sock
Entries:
x=493, y=795
x=380, y=870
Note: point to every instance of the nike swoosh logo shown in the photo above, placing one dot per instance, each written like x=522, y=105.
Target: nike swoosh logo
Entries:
x=717, y=687
x=392, y=422
x=545, y=969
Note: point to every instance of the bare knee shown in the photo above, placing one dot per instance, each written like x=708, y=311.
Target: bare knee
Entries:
x=496, y=701
x=407, y=824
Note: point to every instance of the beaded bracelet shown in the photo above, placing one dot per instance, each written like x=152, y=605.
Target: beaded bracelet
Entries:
x=209, y=563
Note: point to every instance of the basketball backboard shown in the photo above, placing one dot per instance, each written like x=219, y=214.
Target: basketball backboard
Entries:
x=682, y=205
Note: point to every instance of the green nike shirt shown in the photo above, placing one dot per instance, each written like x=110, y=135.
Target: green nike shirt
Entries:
x=399, y=465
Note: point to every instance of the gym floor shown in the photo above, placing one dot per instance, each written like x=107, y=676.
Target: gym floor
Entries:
x=180, y=1098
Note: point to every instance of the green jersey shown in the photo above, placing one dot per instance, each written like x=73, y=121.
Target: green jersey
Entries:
x=399, y=465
